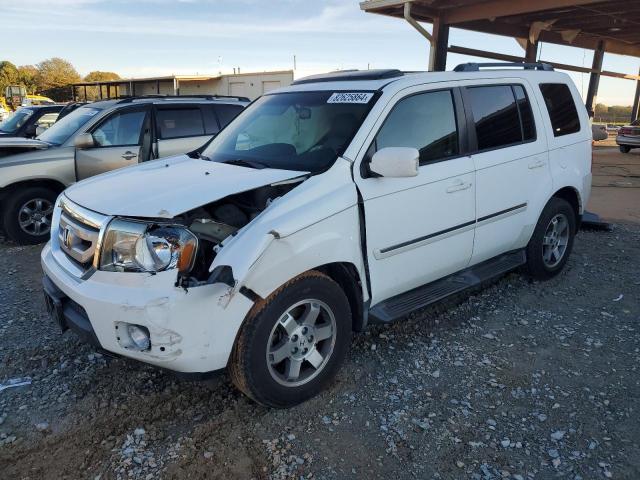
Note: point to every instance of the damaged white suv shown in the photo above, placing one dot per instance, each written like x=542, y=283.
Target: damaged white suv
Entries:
x=341, y=200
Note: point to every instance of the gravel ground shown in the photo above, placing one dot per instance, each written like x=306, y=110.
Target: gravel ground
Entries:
x=519, y=380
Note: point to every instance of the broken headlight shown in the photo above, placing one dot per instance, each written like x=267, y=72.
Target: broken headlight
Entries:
x=130, y=246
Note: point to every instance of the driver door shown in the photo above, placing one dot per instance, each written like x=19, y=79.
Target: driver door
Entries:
x=121, y=139
x=420, y=229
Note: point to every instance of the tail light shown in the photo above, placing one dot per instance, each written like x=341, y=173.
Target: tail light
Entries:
x=625, y=131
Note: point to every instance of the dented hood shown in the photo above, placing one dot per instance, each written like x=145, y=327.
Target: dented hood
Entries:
x=168, y=187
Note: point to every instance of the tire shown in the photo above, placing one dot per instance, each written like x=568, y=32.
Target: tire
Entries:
x=543, y=262
x=625, y=148
x=262, y=376
x=40, y=201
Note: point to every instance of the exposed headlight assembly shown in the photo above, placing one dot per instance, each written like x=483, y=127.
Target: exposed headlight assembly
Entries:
x=131, y=246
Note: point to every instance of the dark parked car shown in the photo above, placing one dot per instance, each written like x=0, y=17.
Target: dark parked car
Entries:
x=25, y=121
x=629, y=136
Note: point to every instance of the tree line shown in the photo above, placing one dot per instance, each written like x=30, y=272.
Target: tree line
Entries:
x=51, y=78
x=612, y=114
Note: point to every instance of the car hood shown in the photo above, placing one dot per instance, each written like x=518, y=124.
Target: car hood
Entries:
x=170, y=186
x=20, y=142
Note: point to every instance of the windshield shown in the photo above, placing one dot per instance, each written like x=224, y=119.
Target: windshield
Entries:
x=15, y=121
x=303, y=131
x=60, y=131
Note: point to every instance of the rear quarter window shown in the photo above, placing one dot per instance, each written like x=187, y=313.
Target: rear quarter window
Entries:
x=180, y=122
x=561, y=108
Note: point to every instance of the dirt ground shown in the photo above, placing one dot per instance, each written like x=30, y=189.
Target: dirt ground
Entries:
x=615, y=193
x=519, y=380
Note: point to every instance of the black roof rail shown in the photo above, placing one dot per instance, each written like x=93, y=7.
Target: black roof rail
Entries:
x=129, y=99
x=350, y=75
x=475, y=67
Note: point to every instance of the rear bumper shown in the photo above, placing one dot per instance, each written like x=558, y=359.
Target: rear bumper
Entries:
x=631, y=141
x=191, y=331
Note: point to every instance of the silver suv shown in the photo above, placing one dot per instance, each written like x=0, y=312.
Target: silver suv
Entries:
x=94, y=139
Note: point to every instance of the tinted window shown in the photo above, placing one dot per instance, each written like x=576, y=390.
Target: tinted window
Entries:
x=226, y=113
x=562, y=110
x=120, y=129
x=526, y=116
x=495, y=115
x=180, y=122
x=426, y=121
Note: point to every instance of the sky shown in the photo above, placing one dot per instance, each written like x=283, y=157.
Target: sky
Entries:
x=162, y=37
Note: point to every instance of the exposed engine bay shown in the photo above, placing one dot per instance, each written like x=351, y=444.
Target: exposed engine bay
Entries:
x=217, y=221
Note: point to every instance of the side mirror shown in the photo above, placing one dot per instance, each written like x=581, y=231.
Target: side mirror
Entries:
x=31, y=130
x=40, y=130
x=395, y=162
x=84, y=140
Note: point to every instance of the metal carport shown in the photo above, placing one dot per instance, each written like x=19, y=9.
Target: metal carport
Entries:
x=602, y=26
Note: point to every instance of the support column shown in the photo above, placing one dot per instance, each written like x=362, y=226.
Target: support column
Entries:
x=440, y=45
x=158, y=87
x=531, y=52
x=85, y=93
x=594, y=79
x=636, y=101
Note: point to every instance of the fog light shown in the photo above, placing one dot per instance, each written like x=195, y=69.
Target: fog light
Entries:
x=139, y=336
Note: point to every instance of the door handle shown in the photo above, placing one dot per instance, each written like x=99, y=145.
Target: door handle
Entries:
x=537, y=164
x=458, y=185
x=129, y=155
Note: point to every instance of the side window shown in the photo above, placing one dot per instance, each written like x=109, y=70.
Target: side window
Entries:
x=120, y=129
x=562, y=110
x=425, y=121
x=526, y=115
x=180, y=122
x=226, y=113
x=495, y=115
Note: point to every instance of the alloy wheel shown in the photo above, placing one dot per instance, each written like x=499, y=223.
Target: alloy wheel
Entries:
x=555, y=240
x=34, y=217
x=301, y=343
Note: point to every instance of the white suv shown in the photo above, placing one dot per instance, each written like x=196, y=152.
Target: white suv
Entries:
x=341, y=200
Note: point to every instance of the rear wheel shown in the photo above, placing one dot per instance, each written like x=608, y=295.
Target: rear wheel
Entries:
x=625, y=148
x=552, y=240
x=294, y=343
x=27, y=215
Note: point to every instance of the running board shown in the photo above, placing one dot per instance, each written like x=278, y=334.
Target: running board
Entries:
x=405, y=303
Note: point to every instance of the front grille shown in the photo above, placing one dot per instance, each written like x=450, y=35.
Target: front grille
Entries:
x=78, y=237
x=77, y=240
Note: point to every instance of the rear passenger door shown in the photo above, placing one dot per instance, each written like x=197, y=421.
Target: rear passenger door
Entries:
x=181, y=129
x=511, y=162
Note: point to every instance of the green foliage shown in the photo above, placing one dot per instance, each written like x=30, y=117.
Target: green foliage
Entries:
x=612, y=114
x=54, y=77
x=28, y=76
x=8, y=75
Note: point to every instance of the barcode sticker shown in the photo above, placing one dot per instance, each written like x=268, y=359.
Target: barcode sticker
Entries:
x=350, y=97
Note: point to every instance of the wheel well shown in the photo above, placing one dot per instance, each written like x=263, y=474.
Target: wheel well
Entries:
x=570, y=195
x=54, y=185
x=346, y=275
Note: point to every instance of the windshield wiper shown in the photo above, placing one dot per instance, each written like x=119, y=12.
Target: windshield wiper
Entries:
x=246, y=163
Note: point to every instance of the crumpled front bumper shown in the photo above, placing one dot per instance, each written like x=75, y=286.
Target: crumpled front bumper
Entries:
x=192, y=331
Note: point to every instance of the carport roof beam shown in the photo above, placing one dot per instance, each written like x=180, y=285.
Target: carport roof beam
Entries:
x=577, y=23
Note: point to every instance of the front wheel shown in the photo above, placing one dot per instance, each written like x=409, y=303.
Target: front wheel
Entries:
x=294, y=342
x=552, y=240
x=27, y=215
x=625, y=148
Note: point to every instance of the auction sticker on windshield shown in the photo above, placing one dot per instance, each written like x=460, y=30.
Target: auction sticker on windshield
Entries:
x=350, y=97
